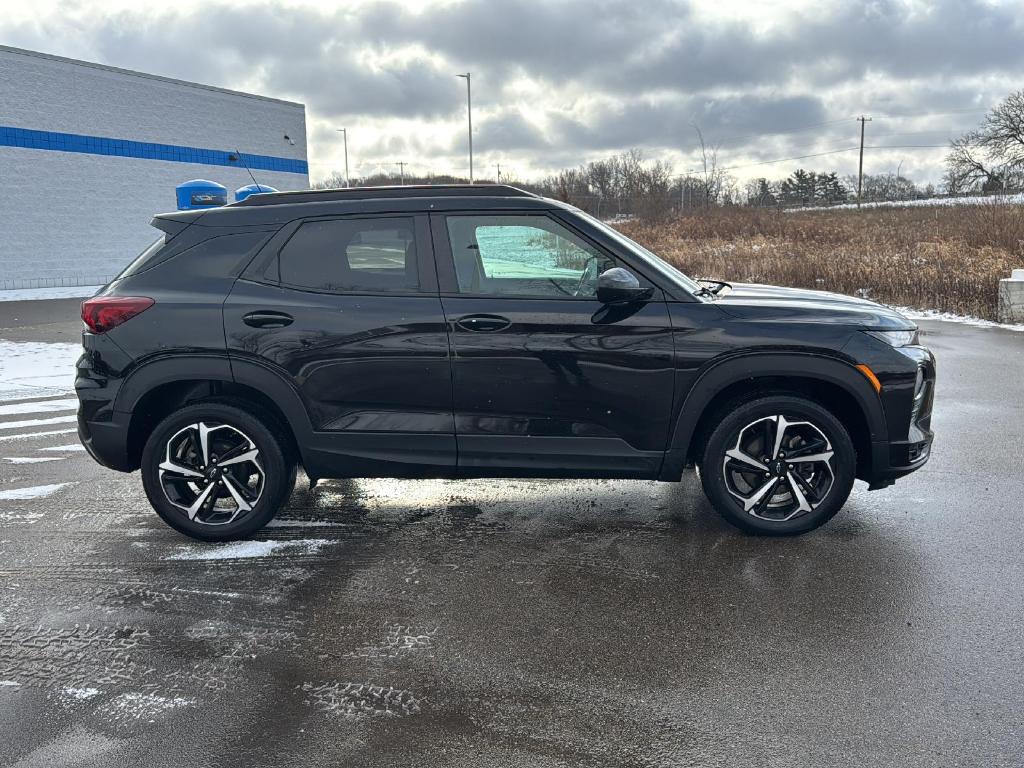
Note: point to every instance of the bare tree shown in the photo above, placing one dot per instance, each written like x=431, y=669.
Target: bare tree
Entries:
x=711, y=177
x=992, y=154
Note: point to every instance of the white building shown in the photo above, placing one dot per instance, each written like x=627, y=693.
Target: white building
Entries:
x=88, y=153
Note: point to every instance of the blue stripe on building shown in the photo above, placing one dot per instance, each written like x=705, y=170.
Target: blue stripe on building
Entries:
x=145, y=150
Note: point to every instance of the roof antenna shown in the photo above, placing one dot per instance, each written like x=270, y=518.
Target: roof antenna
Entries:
x=238, y=156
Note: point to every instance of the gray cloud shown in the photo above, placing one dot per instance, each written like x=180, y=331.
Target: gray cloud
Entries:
x=654, y=69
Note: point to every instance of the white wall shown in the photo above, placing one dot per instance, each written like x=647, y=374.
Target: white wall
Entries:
x=79, y=218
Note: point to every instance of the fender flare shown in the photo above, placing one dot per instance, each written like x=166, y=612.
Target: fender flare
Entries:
x=166, y=369
x=730, y=371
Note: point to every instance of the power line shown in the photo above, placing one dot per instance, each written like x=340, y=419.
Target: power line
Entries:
x=782, y=159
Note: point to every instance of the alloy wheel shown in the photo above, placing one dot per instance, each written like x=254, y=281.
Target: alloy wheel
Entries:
x=779, y=469
x=212, y=473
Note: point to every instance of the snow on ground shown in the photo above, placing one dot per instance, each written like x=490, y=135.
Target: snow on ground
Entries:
x=35, y=294
x=41, y=406
x=37, y=369
x=949, y=317
x=47, y=433
x=244, y=549
x=33, y=492
x=37, y=422
x=1017, y=199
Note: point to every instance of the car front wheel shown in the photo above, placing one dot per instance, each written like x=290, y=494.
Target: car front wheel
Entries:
x=216, y=472
x=779, y=465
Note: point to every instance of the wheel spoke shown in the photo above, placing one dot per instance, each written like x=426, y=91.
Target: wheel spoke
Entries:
x=247, y=456
x=760, y=494
x=808, y=448
x=201, y=499
x=178, y=469
x=204, y=442
x=737, y=455
x=243, y=504
x=802, y=504
x=813, y=458
x=780, y=432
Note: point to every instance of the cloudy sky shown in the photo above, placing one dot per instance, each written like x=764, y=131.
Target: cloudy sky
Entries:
x=560, y=82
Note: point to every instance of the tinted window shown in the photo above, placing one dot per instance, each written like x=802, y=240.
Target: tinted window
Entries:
x=144, y=259
x=523, y=256
x=352, y=255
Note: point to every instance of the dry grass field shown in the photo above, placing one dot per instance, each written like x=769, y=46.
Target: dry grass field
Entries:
x=943, y=258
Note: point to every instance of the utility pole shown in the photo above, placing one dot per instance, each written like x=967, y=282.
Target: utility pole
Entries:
x=401, y=170
x=469, y=117
x=344, y=135
x=860, y=171
x=498, y=166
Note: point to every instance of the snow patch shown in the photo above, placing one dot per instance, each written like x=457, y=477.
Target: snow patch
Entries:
x=26, y=435
x=33, y=492
x=81, y=694
x=142, y=706
x=285, y=523
x=31, y=459
x=8, y=683
x=949, y=317
x=39, y=406
x=1017, y=199
x=37, y=422
x=59, y=292
x=33, y=368
x=246, y=549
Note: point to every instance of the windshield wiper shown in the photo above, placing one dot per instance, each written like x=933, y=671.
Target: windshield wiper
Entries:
x=717, y=286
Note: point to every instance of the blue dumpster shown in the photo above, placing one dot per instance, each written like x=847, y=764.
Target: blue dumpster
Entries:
x=200, y=193
x=252, y=189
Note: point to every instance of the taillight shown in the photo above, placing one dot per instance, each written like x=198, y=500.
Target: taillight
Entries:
x=106, y=312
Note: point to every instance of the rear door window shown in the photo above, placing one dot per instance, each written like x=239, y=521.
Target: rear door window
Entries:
x=352, y=255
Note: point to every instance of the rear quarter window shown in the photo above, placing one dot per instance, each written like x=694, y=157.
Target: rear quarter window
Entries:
x=147, y=257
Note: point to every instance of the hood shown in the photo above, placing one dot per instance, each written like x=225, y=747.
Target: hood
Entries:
x=767, y=302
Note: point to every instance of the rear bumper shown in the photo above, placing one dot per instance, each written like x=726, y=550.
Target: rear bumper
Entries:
x=102, y=430
x=107, y=441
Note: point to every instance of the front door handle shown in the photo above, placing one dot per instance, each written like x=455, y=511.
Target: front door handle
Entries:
x=268, y=319
x=483, y=323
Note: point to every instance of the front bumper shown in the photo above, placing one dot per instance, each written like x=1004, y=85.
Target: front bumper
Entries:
x=893, y=459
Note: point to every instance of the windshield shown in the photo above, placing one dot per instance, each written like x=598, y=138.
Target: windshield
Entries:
x=657, y=263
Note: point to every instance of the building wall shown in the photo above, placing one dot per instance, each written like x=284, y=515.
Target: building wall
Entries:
x=78, y=210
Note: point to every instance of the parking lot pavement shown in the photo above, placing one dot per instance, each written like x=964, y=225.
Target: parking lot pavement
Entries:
x=522, y=623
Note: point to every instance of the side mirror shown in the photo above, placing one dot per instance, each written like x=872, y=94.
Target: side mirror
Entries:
x=620, y=286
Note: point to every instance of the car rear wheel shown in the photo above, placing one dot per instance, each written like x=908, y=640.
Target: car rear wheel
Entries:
x=216, y=472
x=779, y=465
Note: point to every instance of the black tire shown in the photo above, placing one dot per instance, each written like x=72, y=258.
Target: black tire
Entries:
x=750, y=428
x=226, y=422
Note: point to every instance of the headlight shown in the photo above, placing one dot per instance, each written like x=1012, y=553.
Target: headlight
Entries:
x=895, y=338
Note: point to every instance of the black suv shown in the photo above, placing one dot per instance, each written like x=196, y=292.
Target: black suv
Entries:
x=479, y=331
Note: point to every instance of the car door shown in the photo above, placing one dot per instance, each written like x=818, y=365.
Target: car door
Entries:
x=347, y=310
x=548, y=380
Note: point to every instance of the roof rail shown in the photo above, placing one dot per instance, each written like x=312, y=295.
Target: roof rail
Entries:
x=371, y=193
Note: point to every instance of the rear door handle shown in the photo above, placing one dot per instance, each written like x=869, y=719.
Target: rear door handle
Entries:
x=483, y=323
x=268, y=319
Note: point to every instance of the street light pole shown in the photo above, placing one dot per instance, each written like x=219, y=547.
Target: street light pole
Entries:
x=469, y=117
x=344, y=135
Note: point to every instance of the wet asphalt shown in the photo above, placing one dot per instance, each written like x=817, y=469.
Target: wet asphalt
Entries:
x=516, y=623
